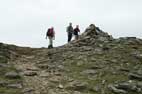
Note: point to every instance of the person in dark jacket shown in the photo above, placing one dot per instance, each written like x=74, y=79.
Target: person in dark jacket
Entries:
x=70, y=32
x=51, y=36
x=76, y=31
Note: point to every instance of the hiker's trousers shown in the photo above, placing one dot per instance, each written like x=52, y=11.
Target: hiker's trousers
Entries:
x=69, y=37
x=50, y=40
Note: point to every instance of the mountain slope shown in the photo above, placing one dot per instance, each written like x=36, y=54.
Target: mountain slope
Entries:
x=94, y=64
x=10, y=80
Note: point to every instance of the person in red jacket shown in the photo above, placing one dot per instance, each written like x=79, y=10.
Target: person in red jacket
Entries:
x=76, y=31
x=51, y=36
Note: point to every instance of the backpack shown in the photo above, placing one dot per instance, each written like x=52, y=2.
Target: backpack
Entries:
x=50, y=32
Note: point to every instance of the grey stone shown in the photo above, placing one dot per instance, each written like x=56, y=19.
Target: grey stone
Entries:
x=3, y=83
x=28, y=90
x=77, y=85
x=33, y=69
x=90, y=72
x=3, y=59
x=117, y=91
x=134, y=76
x=127, y=86
x=97, y=88
x=77, y=92
x=16, y=86
x=51, y=91
x=30, y=73
x=124, y=69
x=12, y=75
x=3, y=65
x=43, y=66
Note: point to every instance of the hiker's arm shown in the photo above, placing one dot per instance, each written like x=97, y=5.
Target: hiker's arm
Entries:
x=54, y=34
x=46, y=36
x=67, y=30
x=79, y=31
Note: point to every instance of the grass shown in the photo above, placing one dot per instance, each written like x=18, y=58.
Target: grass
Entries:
x=4, y=90
x=123, y=58
x=3, y=70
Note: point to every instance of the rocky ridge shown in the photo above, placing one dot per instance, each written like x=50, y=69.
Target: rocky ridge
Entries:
x=95, y=64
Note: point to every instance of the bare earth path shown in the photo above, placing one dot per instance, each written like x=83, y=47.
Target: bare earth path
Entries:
x=34, y=84
x=37, y=76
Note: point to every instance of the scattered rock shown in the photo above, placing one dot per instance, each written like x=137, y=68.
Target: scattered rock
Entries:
x=44, y=74
x=15, y=86
x=3, y=83
x=51, y=91
x=85, y=66
x=3, y=59
x=127, y=86
x=77, y=92
x=43, y=66
x=28, y=90
x=96, y=67
x=55, y=79
x=3, y=65
x=124, y=69
x=12, y=75
x=90, y=72
x=76, y=85
x=115, y=90
x=135, y=76
x=60, y=86
x=32, y=69
x=30, y=73
x=97, y=88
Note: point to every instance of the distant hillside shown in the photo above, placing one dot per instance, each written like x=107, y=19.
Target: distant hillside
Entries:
x=94, y=64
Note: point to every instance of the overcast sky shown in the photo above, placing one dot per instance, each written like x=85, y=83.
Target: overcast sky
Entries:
x=25, y=22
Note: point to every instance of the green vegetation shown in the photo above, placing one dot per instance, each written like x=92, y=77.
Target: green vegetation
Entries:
x=6, y=68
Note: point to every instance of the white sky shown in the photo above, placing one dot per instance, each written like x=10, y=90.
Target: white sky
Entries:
x=24, y=22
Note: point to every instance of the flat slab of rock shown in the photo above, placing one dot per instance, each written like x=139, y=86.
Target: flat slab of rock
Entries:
x=3, y=65
x=15, y=86
x=115, y=90
x=12, y=75
x=28, y=90
x=30, y=73
x=134, y=76
x=32, y=69
x=77, y=85
x=3, y=83
x=90, y=72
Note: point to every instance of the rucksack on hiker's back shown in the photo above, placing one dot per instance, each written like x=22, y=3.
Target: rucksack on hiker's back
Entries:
x=50, y=32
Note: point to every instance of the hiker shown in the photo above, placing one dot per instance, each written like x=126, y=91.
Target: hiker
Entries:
x=70, y=32
x=76, y=31
x=51, y=36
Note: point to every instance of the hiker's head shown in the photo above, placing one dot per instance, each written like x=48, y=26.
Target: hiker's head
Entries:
x=70, y=24
x=77, y=26
x=52, y=28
